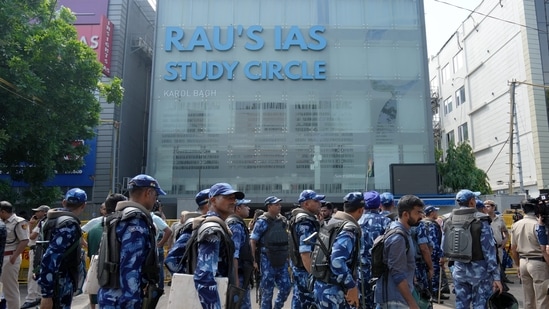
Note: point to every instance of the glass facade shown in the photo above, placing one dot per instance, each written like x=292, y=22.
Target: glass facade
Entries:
x=278, y=96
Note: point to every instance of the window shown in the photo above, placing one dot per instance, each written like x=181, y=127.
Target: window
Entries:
x=450, y=138
x=445, y=74
x=457, y=61
x=460, y=96
x=448, y=106
x=463, y=133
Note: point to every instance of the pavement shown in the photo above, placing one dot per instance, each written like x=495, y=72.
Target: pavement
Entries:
x=82, y=301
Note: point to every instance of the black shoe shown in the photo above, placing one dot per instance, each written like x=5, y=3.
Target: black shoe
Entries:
x=31, y=304
x=446, y=290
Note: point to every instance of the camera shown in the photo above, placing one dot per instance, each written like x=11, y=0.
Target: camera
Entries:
x=516, y=206
x=542, y=207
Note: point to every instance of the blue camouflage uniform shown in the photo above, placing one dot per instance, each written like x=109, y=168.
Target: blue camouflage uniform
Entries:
x=421, y=267
x=239, y=239
x=473, y=280
x=134, y=238
x=435, y=237
x=270, y=275
x=303, y=297
x=344, y=249
x=54, y=279
x=542, y=235
x=212, y=261
x=372, y=223
x=174, y=256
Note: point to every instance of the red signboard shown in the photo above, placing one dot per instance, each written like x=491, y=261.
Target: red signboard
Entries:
x=99, y=38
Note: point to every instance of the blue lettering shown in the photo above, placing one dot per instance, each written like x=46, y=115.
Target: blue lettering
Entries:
x=278, y=38
x=288, y=70
x=314, y=34
x=200, y=38
x=320, y=70
x=230, y=69
x=184, y=65
x=294, y=38
x=304, y=74
x=248, y=70
x=217, y=38
x=173, y=37
x=274, y=69
x=170, y=67
x=215, y=70
x=194, y=71
x=259, y=42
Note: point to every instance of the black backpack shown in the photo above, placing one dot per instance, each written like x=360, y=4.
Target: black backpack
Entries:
x=322, y=253
x=299, y=215
x=109, y=248
x=71, y=258
x=275, y=240
x=378, y=266
x=189, y=258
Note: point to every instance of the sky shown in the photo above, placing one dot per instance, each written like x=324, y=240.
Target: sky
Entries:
x=442, y=20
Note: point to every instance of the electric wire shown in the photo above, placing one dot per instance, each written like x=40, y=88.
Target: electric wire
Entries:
x=490, y=16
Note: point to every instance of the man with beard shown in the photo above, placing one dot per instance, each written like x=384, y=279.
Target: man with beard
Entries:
x=394, y=290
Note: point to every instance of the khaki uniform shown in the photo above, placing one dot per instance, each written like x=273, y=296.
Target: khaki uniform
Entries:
x=533, y=269
x=18, y=230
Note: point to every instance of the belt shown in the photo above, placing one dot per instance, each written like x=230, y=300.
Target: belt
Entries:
x=533, y=258
x=6, y=253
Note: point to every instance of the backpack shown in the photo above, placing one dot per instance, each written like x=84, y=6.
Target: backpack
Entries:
x=299, y=215
x=275, y=240
x=462, y=235
x=322, y=253
x=71, y=258
x=200, y=225
x=378, y=266
x=108, y=264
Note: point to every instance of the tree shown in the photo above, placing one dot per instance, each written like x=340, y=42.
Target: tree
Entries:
x=458, y=170
x=49, y=87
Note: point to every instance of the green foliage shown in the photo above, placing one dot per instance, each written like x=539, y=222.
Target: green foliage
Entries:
x=458, y=170
x=48, y=86
x=113, y=92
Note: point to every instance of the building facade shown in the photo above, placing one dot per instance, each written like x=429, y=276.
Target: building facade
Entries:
x=502, y=45
x=119, y=150
x=275, y=97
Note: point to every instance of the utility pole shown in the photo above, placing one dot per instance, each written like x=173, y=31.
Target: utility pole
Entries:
x=511, y=115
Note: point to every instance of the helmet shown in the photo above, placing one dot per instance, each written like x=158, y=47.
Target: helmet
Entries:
x=502, y=300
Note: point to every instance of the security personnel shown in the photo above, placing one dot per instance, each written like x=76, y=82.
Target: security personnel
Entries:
x=182, y=235
x=214, y=256
x=16, y=241
x=342, y=290
x=270, y=275
x=424, y=263
x=302, y=225
x=135, y=244
x=243, y=257
x=526, y=252
x=387, y=205
x=435, y=237
x=60, y=265
x=476, y=280
x=372, y=223
x=33, y=290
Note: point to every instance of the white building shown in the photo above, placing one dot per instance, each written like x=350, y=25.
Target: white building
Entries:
x=500, y=42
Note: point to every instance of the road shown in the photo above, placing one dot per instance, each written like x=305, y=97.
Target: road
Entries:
x=82, y=301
